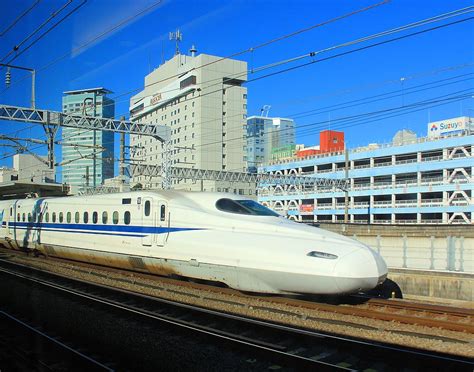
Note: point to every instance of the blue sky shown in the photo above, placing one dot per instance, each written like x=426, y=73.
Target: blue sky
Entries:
x=423, y=67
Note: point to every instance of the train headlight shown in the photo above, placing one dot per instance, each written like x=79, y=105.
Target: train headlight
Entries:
x=325, y=255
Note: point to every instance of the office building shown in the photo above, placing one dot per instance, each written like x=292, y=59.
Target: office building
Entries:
x=264, y=136
x=203, y=101
x=83, y=168
x=410, y=180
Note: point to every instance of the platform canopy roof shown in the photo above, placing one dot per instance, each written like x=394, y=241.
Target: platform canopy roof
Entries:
x=22, y=190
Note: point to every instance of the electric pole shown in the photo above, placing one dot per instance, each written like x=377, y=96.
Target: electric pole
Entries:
x=346, y=191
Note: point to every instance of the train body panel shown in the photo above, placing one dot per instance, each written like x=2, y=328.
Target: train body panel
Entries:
x=210, y=236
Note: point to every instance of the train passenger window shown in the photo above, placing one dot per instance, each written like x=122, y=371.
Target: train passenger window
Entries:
x=46, y=217
x=95, y=217
x=18, y=217
x=68, y=217
x=162, y=213
x=23, y=219
x=53, y=217
x=11, y=211
x=104, y=217
x=33, y=217
x=147, y=208
x=86, y=217
x=29, y=217
x=126, y=218
x=115, y=218
x=76, y=217
x=61, y=217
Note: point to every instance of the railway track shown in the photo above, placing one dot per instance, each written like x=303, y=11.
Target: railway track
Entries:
x=291, y=346
x=25, y=346
x=405, y=312
x=434, y=316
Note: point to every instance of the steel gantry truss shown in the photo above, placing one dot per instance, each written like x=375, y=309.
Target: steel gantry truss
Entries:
x=52, y=120
x=216, y=175
x=47, y=117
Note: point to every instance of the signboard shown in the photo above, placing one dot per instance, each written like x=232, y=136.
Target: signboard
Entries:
x=448, y=127
x=155, y=99
x=306, y=207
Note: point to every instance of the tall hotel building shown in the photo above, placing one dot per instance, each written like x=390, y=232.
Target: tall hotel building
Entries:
x=202, y=100
x=411, y=180
x=87, y=170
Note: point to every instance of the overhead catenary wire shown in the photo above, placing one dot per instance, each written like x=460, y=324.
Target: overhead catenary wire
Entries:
x=74, y=10
x=20, y=16
x=43, y=24
x=283, y=37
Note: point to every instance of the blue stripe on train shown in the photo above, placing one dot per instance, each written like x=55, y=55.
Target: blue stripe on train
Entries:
x=88, y=228
x=84, y=232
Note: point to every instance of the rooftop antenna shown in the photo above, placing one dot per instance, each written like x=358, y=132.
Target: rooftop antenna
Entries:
x=265, y=110
x=177, y=36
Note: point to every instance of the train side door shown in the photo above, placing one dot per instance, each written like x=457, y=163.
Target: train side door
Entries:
x=163, y=223
x=148, y=221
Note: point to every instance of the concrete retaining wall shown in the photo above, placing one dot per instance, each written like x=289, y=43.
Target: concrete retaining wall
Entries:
x=444, y=248
x=425, y=261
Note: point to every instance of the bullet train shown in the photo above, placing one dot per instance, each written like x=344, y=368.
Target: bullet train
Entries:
x=216, y=237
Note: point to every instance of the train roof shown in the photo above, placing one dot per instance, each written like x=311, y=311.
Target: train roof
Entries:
x=203, y=198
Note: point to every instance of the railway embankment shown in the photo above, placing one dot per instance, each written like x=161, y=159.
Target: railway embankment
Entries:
x=430, y=262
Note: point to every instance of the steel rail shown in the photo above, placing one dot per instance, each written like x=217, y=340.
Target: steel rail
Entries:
x=62, y=345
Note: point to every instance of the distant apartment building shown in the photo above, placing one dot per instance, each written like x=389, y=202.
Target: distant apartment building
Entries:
x=85, y=168
x=267, y=136
x=27, y=168
x=202, y=99
x=410, y=180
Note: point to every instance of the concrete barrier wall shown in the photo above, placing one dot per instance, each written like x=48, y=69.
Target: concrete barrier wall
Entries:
x=445, y=248
x=439, y=285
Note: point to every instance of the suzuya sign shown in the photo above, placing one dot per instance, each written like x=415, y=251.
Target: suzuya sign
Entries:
x=450, y=126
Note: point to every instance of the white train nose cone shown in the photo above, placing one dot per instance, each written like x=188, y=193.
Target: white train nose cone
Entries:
x=360, y=270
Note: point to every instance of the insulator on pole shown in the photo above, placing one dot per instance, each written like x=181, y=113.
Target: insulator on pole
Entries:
x=8, y=77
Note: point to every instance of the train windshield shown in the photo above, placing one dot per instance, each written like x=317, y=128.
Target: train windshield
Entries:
x=244, y=207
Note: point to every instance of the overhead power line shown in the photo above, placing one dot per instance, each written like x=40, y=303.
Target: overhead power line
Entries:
x=17, y=19
x=48, y=30
x=286, y=36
